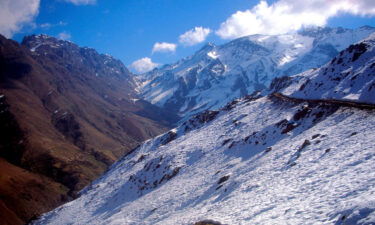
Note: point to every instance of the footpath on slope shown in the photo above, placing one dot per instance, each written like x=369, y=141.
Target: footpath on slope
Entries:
x=330, y=102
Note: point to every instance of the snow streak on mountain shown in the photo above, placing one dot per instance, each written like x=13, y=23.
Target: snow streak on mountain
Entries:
x=216, y=75
x=274, y=159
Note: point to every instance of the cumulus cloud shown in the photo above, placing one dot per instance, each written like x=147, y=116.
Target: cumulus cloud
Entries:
x=14, y=14
x=194, y=36
x=164, y=47
x=143, y=65
x=82, y=2
x=64, y=35
x=286, y=16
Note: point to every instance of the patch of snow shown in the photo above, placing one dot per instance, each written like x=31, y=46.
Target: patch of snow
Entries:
x=34, y=48
x=285, y=59
x=134, y=100
x=213, y=54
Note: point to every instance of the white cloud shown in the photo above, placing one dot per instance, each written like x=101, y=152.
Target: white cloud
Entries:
x=50, y=25
x=286, y=16
x=194, y=36
x=164, y=47
x=45, y=25
x=143, y=65
x=82, y=2
x=64, y=35
x=14, y=14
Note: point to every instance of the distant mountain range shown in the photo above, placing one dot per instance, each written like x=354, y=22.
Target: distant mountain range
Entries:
x=216, y=75
x=299, y=152
x=67, y=114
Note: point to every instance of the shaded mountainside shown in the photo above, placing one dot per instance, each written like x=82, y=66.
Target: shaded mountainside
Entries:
x=271, y=159
x=216, y=75
x=67, y=113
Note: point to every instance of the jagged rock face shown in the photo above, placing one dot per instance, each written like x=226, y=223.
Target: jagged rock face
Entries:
x=71, y=112
x=216, y=75
x=84, y=61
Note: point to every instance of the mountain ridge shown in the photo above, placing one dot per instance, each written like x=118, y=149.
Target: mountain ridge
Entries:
x=215, y=75
x=261, y=159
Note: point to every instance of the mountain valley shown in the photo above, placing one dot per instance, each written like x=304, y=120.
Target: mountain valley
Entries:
x=298, y=152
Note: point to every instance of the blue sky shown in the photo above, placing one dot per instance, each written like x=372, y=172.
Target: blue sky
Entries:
x=129, y=29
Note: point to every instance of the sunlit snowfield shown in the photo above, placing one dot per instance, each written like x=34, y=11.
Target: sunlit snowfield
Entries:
x=328, y=178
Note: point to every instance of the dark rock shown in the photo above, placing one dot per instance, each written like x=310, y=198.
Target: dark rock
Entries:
x=315, y=136
x=358, y=50
x=226, y=141
x=223, y=179
x=208, y=222
x=168, y=137
x=279, y=83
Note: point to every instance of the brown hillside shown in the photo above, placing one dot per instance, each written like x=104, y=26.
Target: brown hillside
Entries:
x=67, y=113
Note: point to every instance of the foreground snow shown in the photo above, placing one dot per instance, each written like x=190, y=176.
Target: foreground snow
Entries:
x=291, y=164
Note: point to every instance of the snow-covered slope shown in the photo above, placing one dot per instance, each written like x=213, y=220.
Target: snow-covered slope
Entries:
x=216, y=75
x=258, y=160
x=349, y=76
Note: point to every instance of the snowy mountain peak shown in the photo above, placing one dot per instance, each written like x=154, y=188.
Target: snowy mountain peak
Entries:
x=33, y=42
x=215, y=75
x=318, y=31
